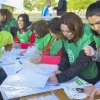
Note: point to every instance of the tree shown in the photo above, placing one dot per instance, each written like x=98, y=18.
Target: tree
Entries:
x=79, y=4
x=39, y=4
x=10, y=8
x=29, y=4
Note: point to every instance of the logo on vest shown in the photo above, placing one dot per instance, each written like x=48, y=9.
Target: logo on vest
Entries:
x=70, y=55
x=22, y=41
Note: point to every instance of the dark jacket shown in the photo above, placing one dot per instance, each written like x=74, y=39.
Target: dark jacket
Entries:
x=61, y=7
x=78, y=67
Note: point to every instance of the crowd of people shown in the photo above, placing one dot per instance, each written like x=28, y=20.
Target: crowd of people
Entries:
x=64, y=41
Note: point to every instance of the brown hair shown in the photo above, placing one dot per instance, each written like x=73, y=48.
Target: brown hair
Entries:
x=6, y=12
x=74, y=24
x=54, y=27
x=25, y=19
x=41, y=27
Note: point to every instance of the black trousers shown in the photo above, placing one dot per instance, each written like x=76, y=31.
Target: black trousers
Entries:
x=1, y=98
x=3, y=76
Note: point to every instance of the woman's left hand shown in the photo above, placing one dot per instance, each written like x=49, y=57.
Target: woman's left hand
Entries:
x=36, y=59
x=40, y=52
x=8, y=47
x=53, y=79
x=89, y=89
x=94, y=92
x=16, y=44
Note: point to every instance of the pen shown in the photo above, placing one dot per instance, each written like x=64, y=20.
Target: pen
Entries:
x=17, y=58
x=57, y=66
x=19, y=70
x=56, y=84
x=53, y=84
x=20, y=62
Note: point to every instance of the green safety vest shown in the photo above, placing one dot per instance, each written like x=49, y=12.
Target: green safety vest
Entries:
x=56, y=45
x=42, y=41
x=5, y=38
x=25, y=36
x=73, y=52
x=9, y=24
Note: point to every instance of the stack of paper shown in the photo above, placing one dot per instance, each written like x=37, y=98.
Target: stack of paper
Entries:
x=34, y=81
x=20, y=85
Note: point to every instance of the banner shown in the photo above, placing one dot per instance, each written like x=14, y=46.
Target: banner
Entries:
x=13, y=3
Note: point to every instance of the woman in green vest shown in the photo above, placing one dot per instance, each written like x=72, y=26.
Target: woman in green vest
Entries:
x=74, y=61
x=25, y=37
x=40, y=29
x=6, y=40
x=93, y=17
x=53, y=56
x=8, y=22
x=41, y=32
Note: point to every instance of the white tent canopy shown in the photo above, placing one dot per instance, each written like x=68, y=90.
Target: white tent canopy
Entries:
x=13, y=3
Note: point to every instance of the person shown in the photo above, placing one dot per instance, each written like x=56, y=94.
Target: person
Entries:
x=25, y=37
x=46, y=11
x=61, y=8
x=98, y=1
x=96, y=91
x=40, y=29
x=54, y=55
x=93, y=17
x=6, y=40
x=8, y=22
x=74, y=62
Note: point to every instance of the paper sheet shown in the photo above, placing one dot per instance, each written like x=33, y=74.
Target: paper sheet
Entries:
x=6, y=61
x=12, y=69
x=36, y=80
x=97, y=84
x=18, y=80
x=74, y=83
x=43, y=71
x=50, y=10
x=46, y=69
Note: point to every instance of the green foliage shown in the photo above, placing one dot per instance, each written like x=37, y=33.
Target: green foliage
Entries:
x=39, y=4
x=79, y=4
x=28, y=5
x=10, y=8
